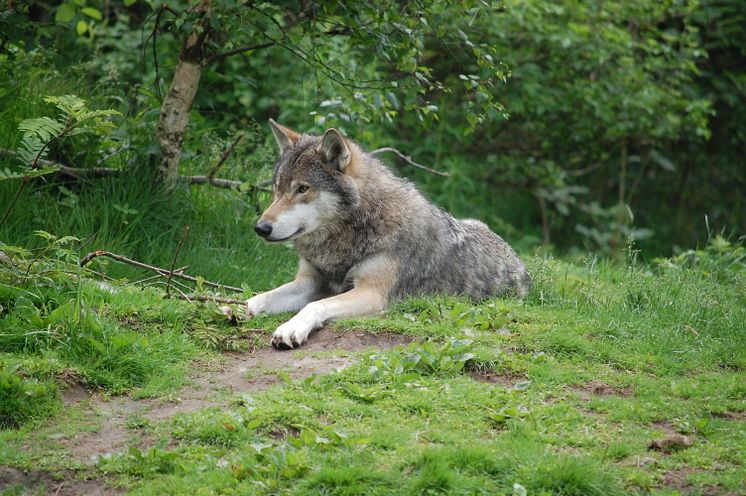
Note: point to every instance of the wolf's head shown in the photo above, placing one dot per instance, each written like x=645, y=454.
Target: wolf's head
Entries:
x=311, y=183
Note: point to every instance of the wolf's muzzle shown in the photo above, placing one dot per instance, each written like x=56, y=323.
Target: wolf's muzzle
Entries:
x=263, y=229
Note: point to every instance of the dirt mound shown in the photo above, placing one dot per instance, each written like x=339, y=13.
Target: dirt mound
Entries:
x=326, y=351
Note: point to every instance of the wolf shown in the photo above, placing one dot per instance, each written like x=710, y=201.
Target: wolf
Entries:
x=366, y=238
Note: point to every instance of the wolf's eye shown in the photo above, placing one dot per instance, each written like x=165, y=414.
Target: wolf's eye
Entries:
x=302, y=189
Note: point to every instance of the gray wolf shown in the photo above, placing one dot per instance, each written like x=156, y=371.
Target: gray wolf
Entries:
x=366, y=238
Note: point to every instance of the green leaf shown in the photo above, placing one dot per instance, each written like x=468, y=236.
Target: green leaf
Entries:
x=97, y=345
x=65, y=13
x=92, y=13
x=81, y=27
x=128, y=3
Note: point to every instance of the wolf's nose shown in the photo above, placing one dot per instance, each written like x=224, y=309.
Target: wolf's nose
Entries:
x=263, y=229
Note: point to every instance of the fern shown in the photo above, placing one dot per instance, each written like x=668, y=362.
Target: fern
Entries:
x=30, y=148
x=75, y=119
x=45, y=128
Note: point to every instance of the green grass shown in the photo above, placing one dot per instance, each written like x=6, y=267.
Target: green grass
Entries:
x=562, y=393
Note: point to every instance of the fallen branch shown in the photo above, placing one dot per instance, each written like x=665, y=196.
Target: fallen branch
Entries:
x=225, y=183
x=151, y=278
x=100, y=172
x=216, y=299
x=163, y=272
x=408, y=159
x=64, y=170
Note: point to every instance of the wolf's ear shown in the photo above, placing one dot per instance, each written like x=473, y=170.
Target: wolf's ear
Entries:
x=334, y=149
x=284, y=136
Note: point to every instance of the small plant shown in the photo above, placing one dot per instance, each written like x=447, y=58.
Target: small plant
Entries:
x=461, y=314
x=23, y=399
x=141, y=463
x=217, y=428
x=429, y=358
x=446, y=359
x=324, y=438
x=271, y=466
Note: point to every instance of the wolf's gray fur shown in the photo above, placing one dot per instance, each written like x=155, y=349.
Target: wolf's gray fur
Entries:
x=372, y=222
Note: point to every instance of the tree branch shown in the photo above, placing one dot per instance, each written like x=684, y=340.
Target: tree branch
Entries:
x=235, y=51
x=409, y=160
x=225, y=156
x=163, y=272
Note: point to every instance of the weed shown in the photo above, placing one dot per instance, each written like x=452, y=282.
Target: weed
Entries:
x=429, y=358
x=212, y=427
x=141, y=463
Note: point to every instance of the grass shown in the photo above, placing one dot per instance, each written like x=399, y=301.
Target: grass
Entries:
x=562, y=393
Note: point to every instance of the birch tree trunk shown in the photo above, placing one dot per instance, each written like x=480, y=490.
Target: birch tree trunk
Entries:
x=177, y=102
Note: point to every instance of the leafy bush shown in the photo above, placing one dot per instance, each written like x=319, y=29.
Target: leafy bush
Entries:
x=24, y=399
x=721, y=258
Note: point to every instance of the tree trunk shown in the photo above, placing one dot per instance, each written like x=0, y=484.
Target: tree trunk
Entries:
x=178, y=100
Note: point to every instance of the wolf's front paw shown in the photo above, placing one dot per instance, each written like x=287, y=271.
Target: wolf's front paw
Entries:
x=292, y=333
x=256, y=305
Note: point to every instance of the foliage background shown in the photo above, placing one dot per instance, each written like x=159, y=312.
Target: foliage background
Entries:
x=578, y=125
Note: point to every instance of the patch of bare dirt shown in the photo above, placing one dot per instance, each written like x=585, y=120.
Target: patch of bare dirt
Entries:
x=600, y=388
x=74, y=393
x=40, y=482
x=240, y=373
x=666, y=426
x=246, y=372
x=677, y=480
x=491, y=377
x=671, y=441
x=113, y=434
x=73, y=389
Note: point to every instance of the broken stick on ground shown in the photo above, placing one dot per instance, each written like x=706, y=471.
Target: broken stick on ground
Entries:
x=169, y=274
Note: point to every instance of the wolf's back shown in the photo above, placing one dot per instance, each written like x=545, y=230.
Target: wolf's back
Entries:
x=493, y=267
x=449, y=256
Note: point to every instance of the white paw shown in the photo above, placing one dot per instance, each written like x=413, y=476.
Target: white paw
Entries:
x=293, y=333
x=256, y=305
